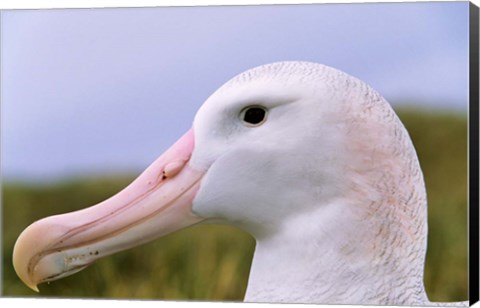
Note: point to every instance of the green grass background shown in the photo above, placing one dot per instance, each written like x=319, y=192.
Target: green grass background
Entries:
x=211, y=262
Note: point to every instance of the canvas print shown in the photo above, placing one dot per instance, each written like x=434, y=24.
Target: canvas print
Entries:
x=276, y=153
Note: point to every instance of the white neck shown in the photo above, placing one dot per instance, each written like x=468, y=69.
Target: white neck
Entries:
x=333, y=261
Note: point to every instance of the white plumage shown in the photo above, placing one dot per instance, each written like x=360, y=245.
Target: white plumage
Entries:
x=329, y=184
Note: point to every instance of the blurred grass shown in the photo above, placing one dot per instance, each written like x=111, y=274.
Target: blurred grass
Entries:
x=211, y=262
x=441, y=141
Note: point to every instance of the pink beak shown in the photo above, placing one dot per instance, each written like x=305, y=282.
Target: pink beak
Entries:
x=158, y=202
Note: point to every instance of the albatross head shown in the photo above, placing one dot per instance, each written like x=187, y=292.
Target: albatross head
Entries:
x=312, y=162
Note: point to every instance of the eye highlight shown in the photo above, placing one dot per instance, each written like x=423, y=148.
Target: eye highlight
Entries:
x=253, y=115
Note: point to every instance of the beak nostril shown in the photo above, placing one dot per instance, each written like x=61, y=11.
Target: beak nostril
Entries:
x=173, y=168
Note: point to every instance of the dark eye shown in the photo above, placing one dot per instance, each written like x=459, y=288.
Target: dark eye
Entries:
x=253, y=115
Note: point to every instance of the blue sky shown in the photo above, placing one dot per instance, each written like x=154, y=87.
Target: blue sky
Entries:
x=107, y=90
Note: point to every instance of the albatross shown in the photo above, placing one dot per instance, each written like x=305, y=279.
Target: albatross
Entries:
x=310, y=161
